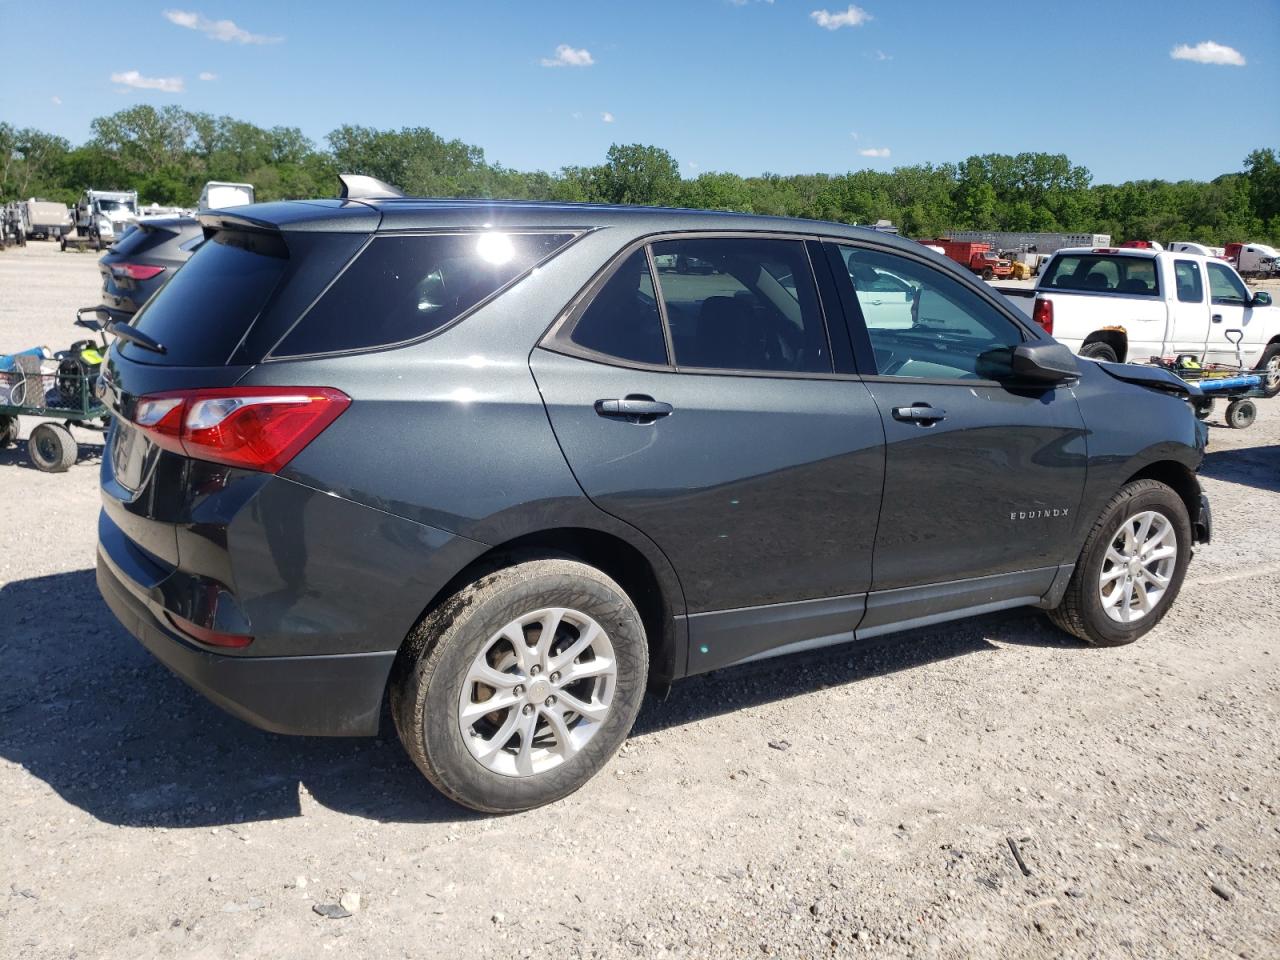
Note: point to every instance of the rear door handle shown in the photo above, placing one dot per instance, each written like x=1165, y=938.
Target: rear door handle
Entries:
x=636, y=407
x=920, y=413
x=1217, y=318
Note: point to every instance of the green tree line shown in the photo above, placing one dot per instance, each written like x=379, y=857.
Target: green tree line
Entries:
x=167, y=154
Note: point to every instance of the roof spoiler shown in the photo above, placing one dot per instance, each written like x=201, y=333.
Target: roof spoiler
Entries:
x=356, y=186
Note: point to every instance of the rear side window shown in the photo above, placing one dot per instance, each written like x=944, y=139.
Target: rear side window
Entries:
x=402, y=288
x=205, y=310
x=623, y=320
x=1101, y=273
x=1190, y=284
x=740, y=303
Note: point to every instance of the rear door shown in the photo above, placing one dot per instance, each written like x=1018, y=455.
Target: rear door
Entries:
x=981, y=481
x=1188, y=308
x=704, y=408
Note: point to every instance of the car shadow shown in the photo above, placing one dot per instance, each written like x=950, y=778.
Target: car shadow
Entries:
x=89, y=712
x=1252, y=466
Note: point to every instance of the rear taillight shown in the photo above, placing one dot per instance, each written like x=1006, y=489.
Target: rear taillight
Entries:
x=257, y=428
x=1042, y=314
x=213, y=638
x=136, y=271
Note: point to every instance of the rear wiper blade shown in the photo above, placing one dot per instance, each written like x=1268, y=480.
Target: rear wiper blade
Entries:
x=124, y=331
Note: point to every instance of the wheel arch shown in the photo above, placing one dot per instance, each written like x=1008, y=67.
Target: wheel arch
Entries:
x=1179, y=477
x=643, y=572
x=1117, y=338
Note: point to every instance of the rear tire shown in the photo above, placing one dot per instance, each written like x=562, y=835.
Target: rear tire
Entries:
x=442, y=674
x=1269, y=367
x=1241, y=413
x=8, y=431
x=1099, y=351
x=1085, y=610
x=52, y=448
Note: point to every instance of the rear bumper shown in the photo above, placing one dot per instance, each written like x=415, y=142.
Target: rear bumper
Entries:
x=323, y=695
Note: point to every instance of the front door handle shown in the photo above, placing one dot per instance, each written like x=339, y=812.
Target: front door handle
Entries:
x=1217, y=318
x=637, y=408
x=920, y=413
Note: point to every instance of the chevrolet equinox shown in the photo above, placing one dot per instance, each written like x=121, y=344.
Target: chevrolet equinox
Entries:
x=511, y=464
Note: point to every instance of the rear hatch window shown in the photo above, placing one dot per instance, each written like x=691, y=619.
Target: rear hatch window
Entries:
x=1103, y=273
x=203, y=313
x=140, y=240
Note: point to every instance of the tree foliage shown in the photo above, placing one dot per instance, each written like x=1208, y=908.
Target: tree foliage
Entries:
x=167, y=154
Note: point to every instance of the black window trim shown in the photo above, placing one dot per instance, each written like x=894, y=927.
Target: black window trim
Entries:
x=861, y=339
x=576, y=234
x=557, y=336
x=1177, y=290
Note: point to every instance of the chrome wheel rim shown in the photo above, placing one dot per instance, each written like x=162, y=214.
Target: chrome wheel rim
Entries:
x=1138, y=566
x=1271, y=373
x=538, y=692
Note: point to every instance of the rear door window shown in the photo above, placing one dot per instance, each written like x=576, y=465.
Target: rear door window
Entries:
x=205, y=310
x=740, y=303
x=1190, y=285
x=1101, y=273
x=402, y=288
x=622, y=321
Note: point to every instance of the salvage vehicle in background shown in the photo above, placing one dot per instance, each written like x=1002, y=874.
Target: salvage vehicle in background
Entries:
x=46, y=220
x=1253, y=259
x=484, y=457
x=977, y=257
x=139, y=264
x=1120, y=304
x=101, y=217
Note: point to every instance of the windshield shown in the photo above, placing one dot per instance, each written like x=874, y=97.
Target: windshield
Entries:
x=114, y=206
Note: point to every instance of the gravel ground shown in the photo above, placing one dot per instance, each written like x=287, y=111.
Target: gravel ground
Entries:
x=861, y=801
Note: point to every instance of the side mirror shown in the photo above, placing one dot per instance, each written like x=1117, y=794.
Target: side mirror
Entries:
x=1261, y=299
x=1043, y=362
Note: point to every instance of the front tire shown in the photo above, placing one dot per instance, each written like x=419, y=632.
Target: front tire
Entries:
x=557, y=649
x=1131, y=568
x=1099, y=351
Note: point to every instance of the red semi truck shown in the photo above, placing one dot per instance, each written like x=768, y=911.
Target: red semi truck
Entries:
x=978, y=257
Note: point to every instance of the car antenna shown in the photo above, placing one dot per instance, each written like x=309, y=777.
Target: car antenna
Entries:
x=356, y=186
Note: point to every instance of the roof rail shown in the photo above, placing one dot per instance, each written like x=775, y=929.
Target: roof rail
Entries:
x=356, y=186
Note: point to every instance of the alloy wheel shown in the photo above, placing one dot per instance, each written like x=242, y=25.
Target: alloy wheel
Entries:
x=1138, y=566
x=537, y=692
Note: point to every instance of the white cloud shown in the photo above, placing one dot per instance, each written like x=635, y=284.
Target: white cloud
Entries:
x=881, y=56
x=567, y=56
x=879, y=152
x=607, y=117
x=56, y=100
x=1209, y=52
x=206, y=75
x=853, y=17
x=228, y=31
x=132, y=78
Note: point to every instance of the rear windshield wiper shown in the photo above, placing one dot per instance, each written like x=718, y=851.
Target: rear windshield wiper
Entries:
x=125, y=332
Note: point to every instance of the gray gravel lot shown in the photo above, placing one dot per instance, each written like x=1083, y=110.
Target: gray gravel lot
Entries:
x=1139, y=785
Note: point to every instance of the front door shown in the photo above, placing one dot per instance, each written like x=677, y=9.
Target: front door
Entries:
x=1231, y=311
x=704, y=410
x=981, y=481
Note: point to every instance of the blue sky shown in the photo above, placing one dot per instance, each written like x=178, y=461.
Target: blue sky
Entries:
x=787, y=86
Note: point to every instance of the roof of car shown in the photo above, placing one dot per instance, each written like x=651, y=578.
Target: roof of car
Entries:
x=428, y=213
x=1146, y=252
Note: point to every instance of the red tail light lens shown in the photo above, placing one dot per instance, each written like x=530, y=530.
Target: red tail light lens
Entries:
x=211, y=637
x=136, y=271
x=257, y=428
x=1042, y=314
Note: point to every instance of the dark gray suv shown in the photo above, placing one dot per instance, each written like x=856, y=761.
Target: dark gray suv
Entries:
x=508, y=465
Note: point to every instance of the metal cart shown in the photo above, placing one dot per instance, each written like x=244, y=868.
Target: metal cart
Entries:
x=1235, y=383
x=60, y=388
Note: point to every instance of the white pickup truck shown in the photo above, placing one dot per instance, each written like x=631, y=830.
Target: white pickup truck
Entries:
x=1132, y=304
